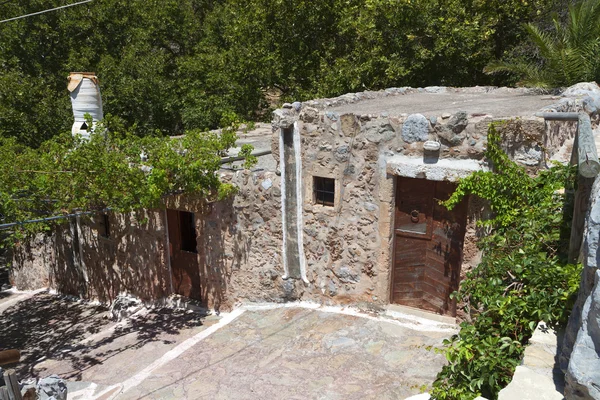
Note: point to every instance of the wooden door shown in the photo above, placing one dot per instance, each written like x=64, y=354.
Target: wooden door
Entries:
x=428, y=245
x=183, y=250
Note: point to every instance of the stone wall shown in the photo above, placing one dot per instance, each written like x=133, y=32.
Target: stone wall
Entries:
x=348, y=246
x=240, y=258
x=580, y=357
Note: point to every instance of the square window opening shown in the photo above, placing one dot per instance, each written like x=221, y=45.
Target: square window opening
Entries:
x=324, y=191
x=188, y=231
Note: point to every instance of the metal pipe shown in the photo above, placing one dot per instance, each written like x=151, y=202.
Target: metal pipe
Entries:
x=559, y=116
x=54, y=218
x=239, y=158
x=587, y=154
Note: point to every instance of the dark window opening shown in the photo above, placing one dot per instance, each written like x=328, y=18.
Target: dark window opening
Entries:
x=324, y=189
x=84, y=126
x=188, y=231
x=105, y=226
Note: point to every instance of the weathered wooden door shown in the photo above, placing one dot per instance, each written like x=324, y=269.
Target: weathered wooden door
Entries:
x=428, y=245
x=183, y=250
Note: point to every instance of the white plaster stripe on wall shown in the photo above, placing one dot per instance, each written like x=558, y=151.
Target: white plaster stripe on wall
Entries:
x=286, y=273
x=299, y=201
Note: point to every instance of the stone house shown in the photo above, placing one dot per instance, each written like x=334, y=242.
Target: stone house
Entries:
x=344, y=210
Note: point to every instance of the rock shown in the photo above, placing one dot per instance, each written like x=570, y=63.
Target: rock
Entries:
x=528, y=385
x=286, y=105
x=332, y=288
x=581, y=89
x=123, y=307
x=580, y=357
x=431, y=145
x=380, y=130
x=370, y=206
x=309, y=115
x=333, y=116
x=435, y=89
x=346, y=275
x=283, y=118
x=591, y=104
x=52, y=387
x=583, y=373
x=452, y=139
x=415, y=128
x=529, y=156
x=446, y=115
x=433, y=120
x=297, y=105
x=458, y=122
x=267, y=184
x=349, y=124
x=342, y=153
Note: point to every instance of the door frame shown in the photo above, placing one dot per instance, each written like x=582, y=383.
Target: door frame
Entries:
x=392, y=246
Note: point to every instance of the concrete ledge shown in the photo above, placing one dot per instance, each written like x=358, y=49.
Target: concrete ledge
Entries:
x=398, y=309
x=433, y=169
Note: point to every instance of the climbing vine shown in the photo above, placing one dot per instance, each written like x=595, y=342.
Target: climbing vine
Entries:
x=114, y=169
x=522, y=278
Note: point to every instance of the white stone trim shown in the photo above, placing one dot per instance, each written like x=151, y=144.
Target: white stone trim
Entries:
x=445, y=169
x=299, y=201
x=286, y=273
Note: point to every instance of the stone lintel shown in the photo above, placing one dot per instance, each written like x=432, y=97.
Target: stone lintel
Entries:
x=432, y=169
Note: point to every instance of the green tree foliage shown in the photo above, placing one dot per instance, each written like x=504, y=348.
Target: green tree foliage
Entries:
x=173, y=65
x=567, y=55
x=118, y=169
x=521, y=279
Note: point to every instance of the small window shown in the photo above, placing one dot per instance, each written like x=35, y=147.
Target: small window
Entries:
x=105, y=226
x=187, y=227
x=324, y=190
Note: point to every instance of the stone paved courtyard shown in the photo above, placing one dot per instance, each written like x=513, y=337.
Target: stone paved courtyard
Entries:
x=268, y=352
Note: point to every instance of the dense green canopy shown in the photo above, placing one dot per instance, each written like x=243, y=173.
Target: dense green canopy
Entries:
x=172, y=65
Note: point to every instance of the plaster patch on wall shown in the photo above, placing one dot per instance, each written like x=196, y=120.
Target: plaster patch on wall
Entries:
x=442, y=170
x=298, y=151
x=286, y=273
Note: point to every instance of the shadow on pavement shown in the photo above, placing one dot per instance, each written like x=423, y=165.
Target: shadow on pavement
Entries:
x=52, y=327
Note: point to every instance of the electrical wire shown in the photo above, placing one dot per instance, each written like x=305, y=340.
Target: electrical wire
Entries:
x=45, y=11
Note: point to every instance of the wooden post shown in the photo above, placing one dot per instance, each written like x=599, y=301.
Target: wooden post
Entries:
x=4, y=393
x=10, y=378
x=9, y=357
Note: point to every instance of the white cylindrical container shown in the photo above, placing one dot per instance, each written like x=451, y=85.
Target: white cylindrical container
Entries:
x=85, y=99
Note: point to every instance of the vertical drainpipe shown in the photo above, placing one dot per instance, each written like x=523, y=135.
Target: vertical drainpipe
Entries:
x=299, y=202
x=294, y=262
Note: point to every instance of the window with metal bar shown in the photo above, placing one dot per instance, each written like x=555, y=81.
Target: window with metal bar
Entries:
x=324, y=191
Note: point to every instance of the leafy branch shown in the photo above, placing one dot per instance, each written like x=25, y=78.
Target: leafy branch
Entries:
x=522, y=277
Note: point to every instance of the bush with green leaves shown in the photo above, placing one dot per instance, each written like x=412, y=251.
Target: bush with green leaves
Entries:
x=115, y=169
x=568, y=54
x=522, y=279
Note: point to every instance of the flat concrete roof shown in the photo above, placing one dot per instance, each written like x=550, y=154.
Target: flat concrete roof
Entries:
x=498, y=102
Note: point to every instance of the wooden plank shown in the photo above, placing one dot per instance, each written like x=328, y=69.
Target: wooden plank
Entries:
x=4, y=393
x=410, y=303
x=9, y=357
x=10, y=379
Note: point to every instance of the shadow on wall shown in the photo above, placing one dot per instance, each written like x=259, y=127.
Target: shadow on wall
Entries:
x=129, y=258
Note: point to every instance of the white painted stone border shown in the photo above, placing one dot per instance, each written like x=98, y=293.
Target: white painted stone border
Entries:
x=299, y=202
x=450, y=170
